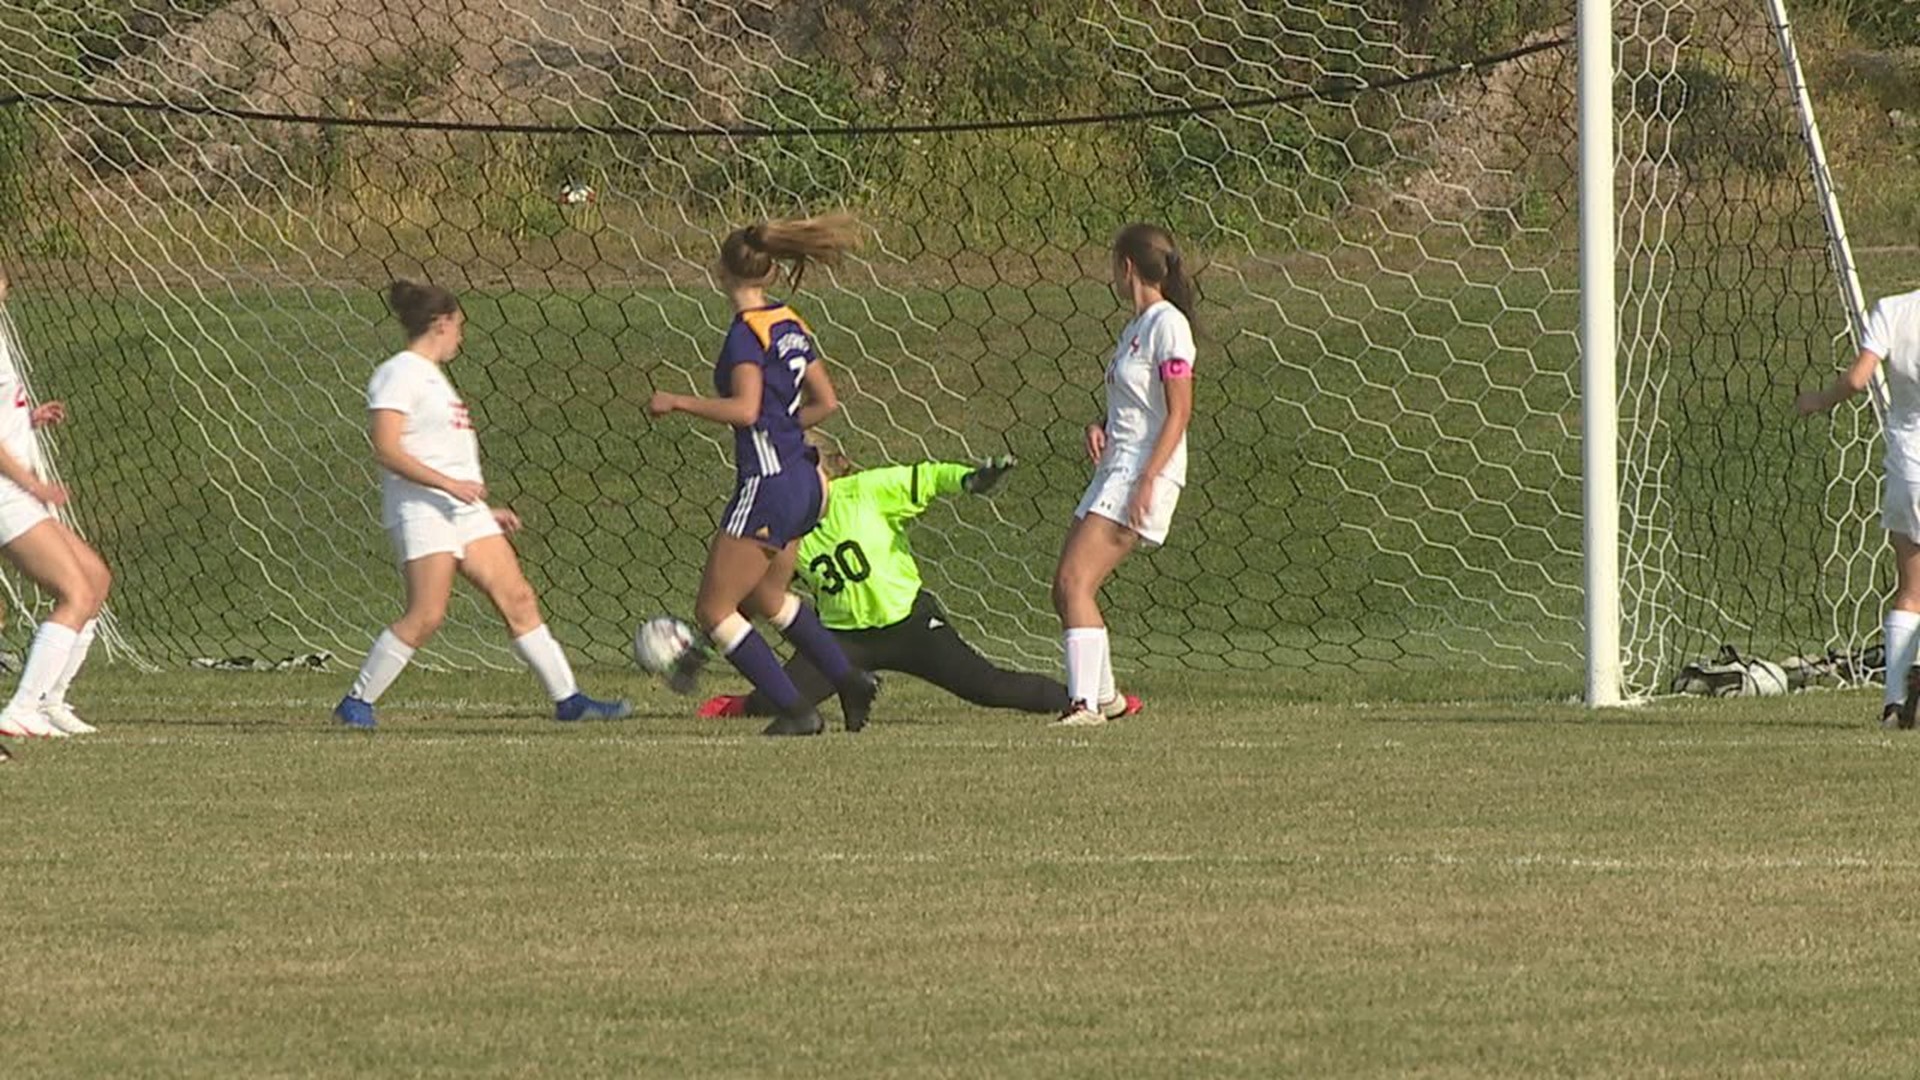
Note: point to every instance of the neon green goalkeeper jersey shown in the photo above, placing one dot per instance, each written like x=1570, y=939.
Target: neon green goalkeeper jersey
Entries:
x=857, y=560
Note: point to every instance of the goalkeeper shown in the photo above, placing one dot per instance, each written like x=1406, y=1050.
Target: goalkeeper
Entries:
x=866, y=585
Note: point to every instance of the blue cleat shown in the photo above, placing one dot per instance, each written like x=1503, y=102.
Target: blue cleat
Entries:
x=354, y=713
x=582, y=707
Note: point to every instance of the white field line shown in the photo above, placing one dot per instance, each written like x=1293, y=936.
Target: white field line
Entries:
x=1529, y=861
x=637, y=733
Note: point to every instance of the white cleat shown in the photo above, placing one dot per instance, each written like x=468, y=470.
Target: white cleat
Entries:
x=63, y=718
x=27, y=723
x=1079, y=715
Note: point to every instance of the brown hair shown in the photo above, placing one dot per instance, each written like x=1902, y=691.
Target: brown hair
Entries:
x=751, y=253
x=419, y=304
x=833, y=456
x=1159, y=263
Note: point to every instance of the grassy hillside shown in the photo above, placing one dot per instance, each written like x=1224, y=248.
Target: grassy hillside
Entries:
x=1490, y=150
x=1274, y=178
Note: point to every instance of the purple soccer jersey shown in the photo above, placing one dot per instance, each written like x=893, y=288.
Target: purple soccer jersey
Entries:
x=779, y=343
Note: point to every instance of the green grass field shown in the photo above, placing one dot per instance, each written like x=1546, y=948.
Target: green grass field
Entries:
x=1232, y=884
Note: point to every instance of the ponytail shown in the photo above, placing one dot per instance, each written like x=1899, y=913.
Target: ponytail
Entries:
x=1159, y=263
x=1177, y=287
x=751, y=254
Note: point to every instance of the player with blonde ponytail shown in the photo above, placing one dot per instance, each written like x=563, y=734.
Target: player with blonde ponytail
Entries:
x=771, y=385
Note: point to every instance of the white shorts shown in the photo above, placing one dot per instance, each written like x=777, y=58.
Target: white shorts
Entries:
x=425, y=533
x=19, y=512
x=1108, y=494
x=1900, y=506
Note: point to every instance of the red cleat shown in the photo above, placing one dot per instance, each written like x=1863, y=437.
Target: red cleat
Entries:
x=726, y=705
x=1122, y=706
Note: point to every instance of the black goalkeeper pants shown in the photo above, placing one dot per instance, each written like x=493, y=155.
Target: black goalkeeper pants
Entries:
x=925, y=644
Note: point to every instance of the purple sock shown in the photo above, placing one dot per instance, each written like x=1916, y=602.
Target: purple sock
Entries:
x=817, y=644
x=754, y=658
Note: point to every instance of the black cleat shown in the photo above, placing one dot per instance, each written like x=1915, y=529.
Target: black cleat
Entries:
x=685, y=676
x=805, y=722
x=856, y=699
x=1911, y=704
x=1890, y=716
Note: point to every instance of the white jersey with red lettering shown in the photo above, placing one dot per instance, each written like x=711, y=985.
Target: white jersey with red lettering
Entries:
x=16, y=410
x=439, y=434
x=1156, y=347
x=19, y=511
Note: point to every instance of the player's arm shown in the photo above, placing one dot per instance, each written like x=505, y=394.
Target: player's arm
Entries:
x=929, y=480
x=1177, y=380
x=1850, y=382
x=1096, y=440
x=48, y=414
x=387, y=426
x=740, y=408
x=932, y=479
x=12, y=467
x=905, y=491
x=819, y=400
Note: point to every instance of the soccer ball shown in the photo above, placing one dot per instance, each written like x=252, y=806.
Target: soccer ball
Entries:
x=660, y=643
x=575, y=193
x=1764, y=679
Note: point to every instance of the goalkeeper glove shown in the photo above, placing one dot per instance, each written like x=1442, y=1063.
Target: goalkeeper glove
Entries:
x=982, y=480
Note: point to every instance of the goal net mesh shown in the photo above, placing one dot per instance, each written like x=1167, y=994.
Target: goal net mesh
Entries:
x=200, y=202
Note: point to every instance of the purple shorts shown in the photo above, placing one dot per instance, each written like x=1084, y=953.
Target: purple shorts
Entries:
x=775, y=510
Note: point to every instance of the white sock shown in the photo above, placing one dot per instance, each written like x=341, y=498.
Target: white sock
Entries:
x=385, y=661
x=789, y=611
x=1086, y=649
x=731, y=632
x=1107, y=690
x=81, y=643
x=537, y=649
x=1900, y=646
x=46, y=662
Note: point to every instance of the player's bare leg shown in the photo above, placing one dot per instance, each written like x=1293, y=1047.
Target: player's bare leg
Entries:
x=1093, y=550
x=736, y=568
x=429, y=581
x=493, y=568
x=1902, y=639
x=773, y=600
x=43, y=554
x=429, y=584
x=54, y=705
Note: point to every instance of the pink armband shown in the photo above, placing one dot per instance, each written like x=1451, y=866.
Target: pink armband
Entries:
x=1175, y=369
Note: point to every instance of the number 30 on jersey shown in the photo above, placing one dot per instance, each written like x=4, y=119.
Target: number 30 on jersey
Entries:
x=845, y=563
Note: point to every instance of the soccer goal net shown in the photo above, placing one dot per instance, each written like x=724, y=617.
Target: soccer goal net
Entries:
x=200, y=201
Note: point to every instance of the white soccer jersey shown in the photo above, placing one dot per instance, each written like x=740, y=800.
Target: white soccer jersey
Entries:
x=16, y=411
x=1157, y=345
x=438, y=433
x=1893, y=334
